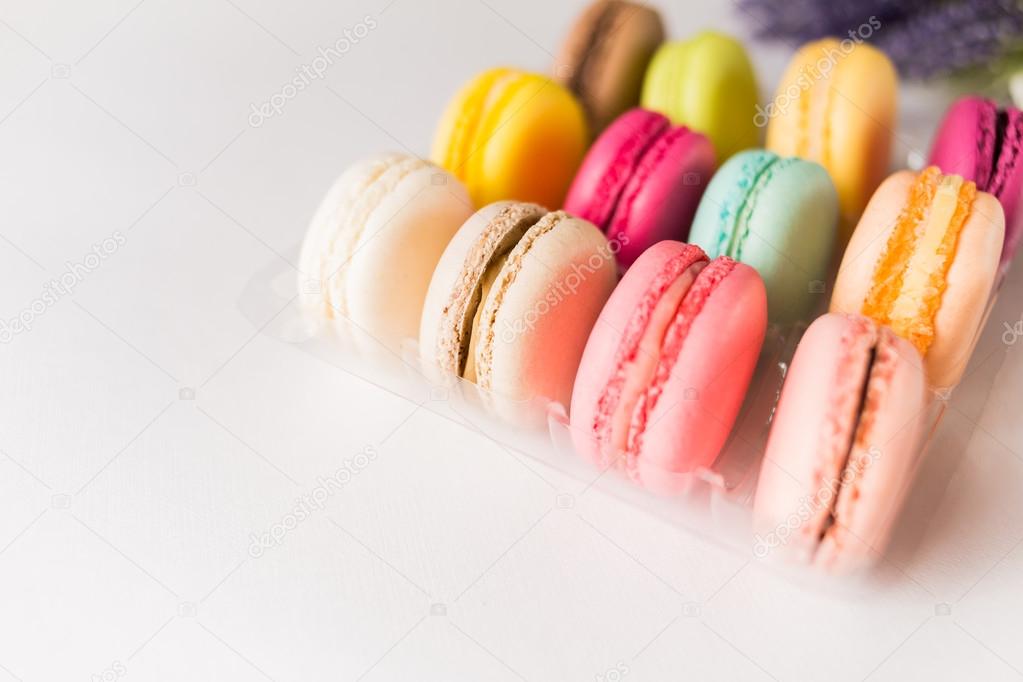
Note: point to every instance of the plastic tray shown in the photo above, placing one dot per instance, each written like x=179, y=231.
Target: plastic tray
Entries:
x=715, y=503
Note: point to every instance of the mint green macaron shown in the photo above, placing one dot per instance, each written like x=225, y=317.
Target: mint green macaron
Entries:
x=707, y=84
x=778, y=215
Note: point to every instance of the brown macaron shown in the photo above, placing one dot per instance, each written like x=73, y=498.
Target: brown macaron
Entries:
x=605, y=56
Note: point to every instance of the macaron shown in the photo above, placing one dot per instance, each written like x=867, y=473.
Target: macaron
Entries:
x=372, y=246
x=706, y=83
x=641, y=182
x=982, y=142
x=843, y=447
x=923, y=261
x=513, y=299
x=778, y=216
x=508, y=134
x=605, y=55
x=836, y=105
x=667, y=365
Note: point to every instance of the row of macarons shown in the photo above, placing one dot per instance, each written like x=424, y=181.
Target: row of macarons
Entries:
x=527, y=303
x=923, y=259
x=509, y=134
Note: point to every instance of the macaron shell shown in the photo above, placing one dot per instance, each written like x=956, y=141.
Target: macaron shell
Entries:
x=886, y=456
x=707, y=84
x=957, y=148
x=373, y=245
x=527, y=137
x=797, y=486
x=399, y=247
x=450, y=280
x=700, y=400
x=610, y=162
x=791, y=229
x=868, y=242
x=545, y=313
x=794, y=468
x=859, y=107
x=326, y=226
x=662, y=196
x=455, y=137
x=1010, y=191
x=613, y=62
x=532, y=145
x=969, y=280
x=598, y=362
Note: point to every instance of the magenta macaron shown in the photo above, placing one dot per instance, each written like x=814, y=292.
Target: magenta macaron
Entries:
x=641, y=182
x=982, y=142
x=667, y=365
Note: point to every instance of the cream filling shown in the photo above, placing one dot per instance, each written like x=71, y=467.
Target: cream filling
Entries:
x=486, y=284
x=926, y=260
x=640, y=371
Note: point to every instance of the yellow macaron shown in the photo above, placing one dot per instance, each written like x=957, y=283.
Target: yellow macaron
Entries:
x=707, y=84
x=513, y=135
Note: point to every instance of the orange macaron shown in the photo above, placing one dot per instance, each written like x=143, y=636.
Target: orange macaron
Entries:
x=923, y=261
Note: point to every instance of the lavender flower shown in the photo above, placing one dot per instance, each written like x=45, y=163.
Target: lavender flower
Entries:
x=923, y=38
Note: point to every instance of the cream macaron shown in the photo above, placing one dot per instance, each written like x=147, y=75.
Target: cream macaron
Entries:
x=373, y=244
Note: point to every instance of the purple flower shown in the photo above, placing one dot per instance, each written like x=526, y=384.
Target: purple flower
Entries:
x=923, y=38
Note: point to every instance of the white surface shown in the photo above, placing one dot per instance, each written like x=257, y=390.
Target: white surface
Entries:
x=127, y=511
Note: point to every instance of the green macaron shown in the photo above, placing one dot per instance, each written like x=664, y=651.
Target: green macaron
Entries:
x=706, y=83
x=778, y=215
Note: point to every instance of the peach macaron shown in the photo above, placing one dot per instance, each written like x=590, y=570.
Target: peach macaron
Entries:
x=843, y=446
x=923, y=260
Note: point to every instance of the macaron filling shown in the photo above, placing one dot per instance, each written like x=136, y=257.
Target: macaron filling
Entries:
x=485, y=331
x=460, y=318
x=911, y=275
x=692, y=304
x=487, y=283
x=639, y=351
x=738, y=208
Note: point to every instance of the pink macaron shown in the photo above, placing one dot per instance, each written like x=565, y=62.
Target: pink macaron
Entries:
x=667, y=365
x=843, y=446
x=984, y=143
x=641, y=182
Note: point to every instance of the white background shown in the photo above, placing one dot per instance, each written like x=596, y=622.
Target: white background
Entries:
x=127, y=507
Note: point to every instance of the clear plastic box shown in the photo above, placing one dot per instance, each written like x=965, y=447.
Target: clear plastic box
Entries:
x=715, y=503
